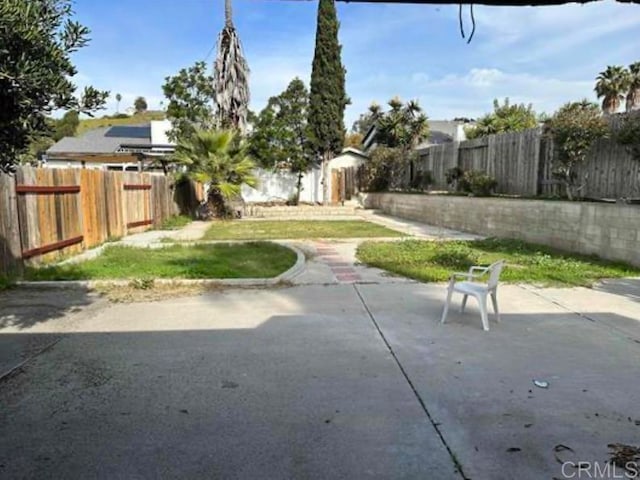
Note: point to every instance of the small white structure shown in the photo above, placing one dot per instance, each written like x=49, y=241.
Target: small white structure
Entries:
x=280, y=185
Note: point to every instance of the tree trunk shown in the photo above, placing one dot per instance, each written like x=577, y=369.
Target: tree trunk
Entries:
x=326, y=158
x=299, y=188
x=227, y=13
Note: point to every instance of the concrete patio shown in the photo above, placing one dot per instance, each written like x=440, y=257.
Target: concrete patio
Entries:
x=316, y=381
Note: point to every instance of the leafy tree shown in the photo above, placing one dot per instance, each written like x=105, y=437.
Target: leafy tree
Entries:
x=66, y=126
x=37, y=38
x=279, y=137
x=328, y=98
x=633, y=95
x=367, y=120
x=403, y=126
x=118, y=100
x=191, y=95
x=221, y=159
x=231, y=77
x=611, y=85
x=140, y=105
x=504, y=118
x=574, y=128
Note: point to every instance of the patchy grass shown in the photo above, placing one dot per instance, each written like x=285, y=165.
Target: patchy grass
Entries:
x=526, y=263
x=132, y=293
x=289, y=229
x=175, y=222
x=246, y=260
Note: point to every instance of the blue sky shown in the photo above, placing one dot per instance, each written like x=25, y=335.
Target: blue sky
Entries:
x=544, y=55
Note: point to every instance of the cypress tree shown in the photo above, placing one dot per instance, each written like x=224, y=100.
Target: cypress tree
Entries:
x=327, y=98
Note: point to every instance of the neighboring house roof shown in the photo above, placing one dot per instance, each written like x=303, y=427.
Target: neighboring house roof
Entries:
x=354, y=151
x=440, y=131
x=107, y=140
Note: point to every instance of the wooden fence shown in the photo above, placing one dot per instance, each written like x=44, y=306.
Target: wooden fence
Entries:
x=46, y=214
x=523, y=163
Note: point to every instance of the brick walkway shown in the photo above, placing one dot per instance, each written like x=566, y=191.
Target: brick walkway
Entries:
x=341, y=267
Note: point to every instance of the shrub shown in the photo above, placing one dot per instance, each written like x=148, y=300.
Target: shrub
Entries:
x=629, y=134
x=453, y=177
x=574, y=128
x=378, y=173
x=422, y=180
x=478, y=183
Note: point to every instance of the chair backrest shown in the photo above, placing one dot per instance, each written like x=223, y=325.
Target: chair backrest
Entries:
x=494, y=273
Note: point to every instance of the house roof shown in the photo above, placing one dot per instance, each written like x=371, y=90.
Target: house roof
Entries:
x=354, y=151
x=105, y=140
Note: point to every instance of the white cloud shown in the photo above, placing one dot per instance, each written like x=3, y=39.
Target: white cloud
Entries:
x=471, y=94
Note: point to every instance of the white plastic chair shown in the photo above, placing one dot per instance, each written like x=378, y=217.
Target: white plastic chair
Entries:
x=479, y=290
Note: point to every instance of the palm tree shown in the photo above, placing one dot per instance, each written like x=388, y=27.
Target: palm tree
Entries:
x=231, y=77
x=633, y=96
x=220, y=159
x=118, y=100
x=612, y=85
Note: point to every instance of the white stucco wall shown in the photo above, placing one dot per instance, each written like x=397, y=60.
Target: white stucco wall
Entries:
x=281, y=185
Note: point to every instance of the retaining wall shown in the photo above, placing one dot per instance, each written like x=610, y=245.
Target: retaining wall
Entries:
x=610, y=231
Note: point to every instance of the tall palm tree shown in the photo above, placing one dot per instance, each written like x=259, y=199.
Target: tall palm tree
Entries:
x=633, y=96
x=612, y=85
x=118, y=100
x=219, y=159
x=231, y=77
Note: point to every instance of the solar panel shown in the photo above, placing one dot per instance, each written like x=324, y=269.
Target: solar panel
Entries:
x=129, y=131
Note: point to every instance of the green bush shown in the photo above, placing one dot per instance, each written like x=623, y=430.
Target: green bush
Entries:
x=453, y=177
x=478, y=183
x=422, y=180
x=5, y=282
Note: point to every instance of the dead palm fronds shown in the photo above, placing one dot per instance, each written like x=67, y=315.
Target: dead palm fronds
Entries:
x=231, y=77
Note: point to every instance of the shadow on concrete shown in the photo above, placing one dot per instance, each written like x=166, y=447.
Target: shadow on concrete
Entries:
x=29, y=309
x=297, y=383
x=293, y=397
x=626, y=287
x=22, y=308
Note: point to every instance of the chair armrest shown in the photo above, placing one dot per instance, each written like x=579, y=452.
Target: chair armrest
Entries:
x=470, y=274
x=467, y=275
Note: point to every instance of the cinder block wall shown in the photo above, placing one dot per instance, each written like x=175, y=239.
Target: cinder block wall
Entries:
x=610, y=231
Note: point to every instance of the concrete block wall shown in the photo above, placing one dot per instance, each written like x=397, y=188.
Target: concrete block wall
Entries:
x=610, y=231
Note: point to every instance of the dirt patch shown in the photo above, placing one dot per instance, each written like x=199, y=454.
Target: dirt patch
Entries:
x=136, y=291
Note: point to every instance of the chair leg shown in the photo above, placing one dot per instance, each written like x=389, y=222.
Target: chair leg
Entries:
x=494, y=301
x=446, y=304
x=482, y=302
x=464, y=303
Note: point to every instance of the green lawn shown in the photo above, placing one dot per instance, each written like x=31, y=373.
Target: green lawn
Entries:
x=527, y=263
x=287, y=229
x=247, y=260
